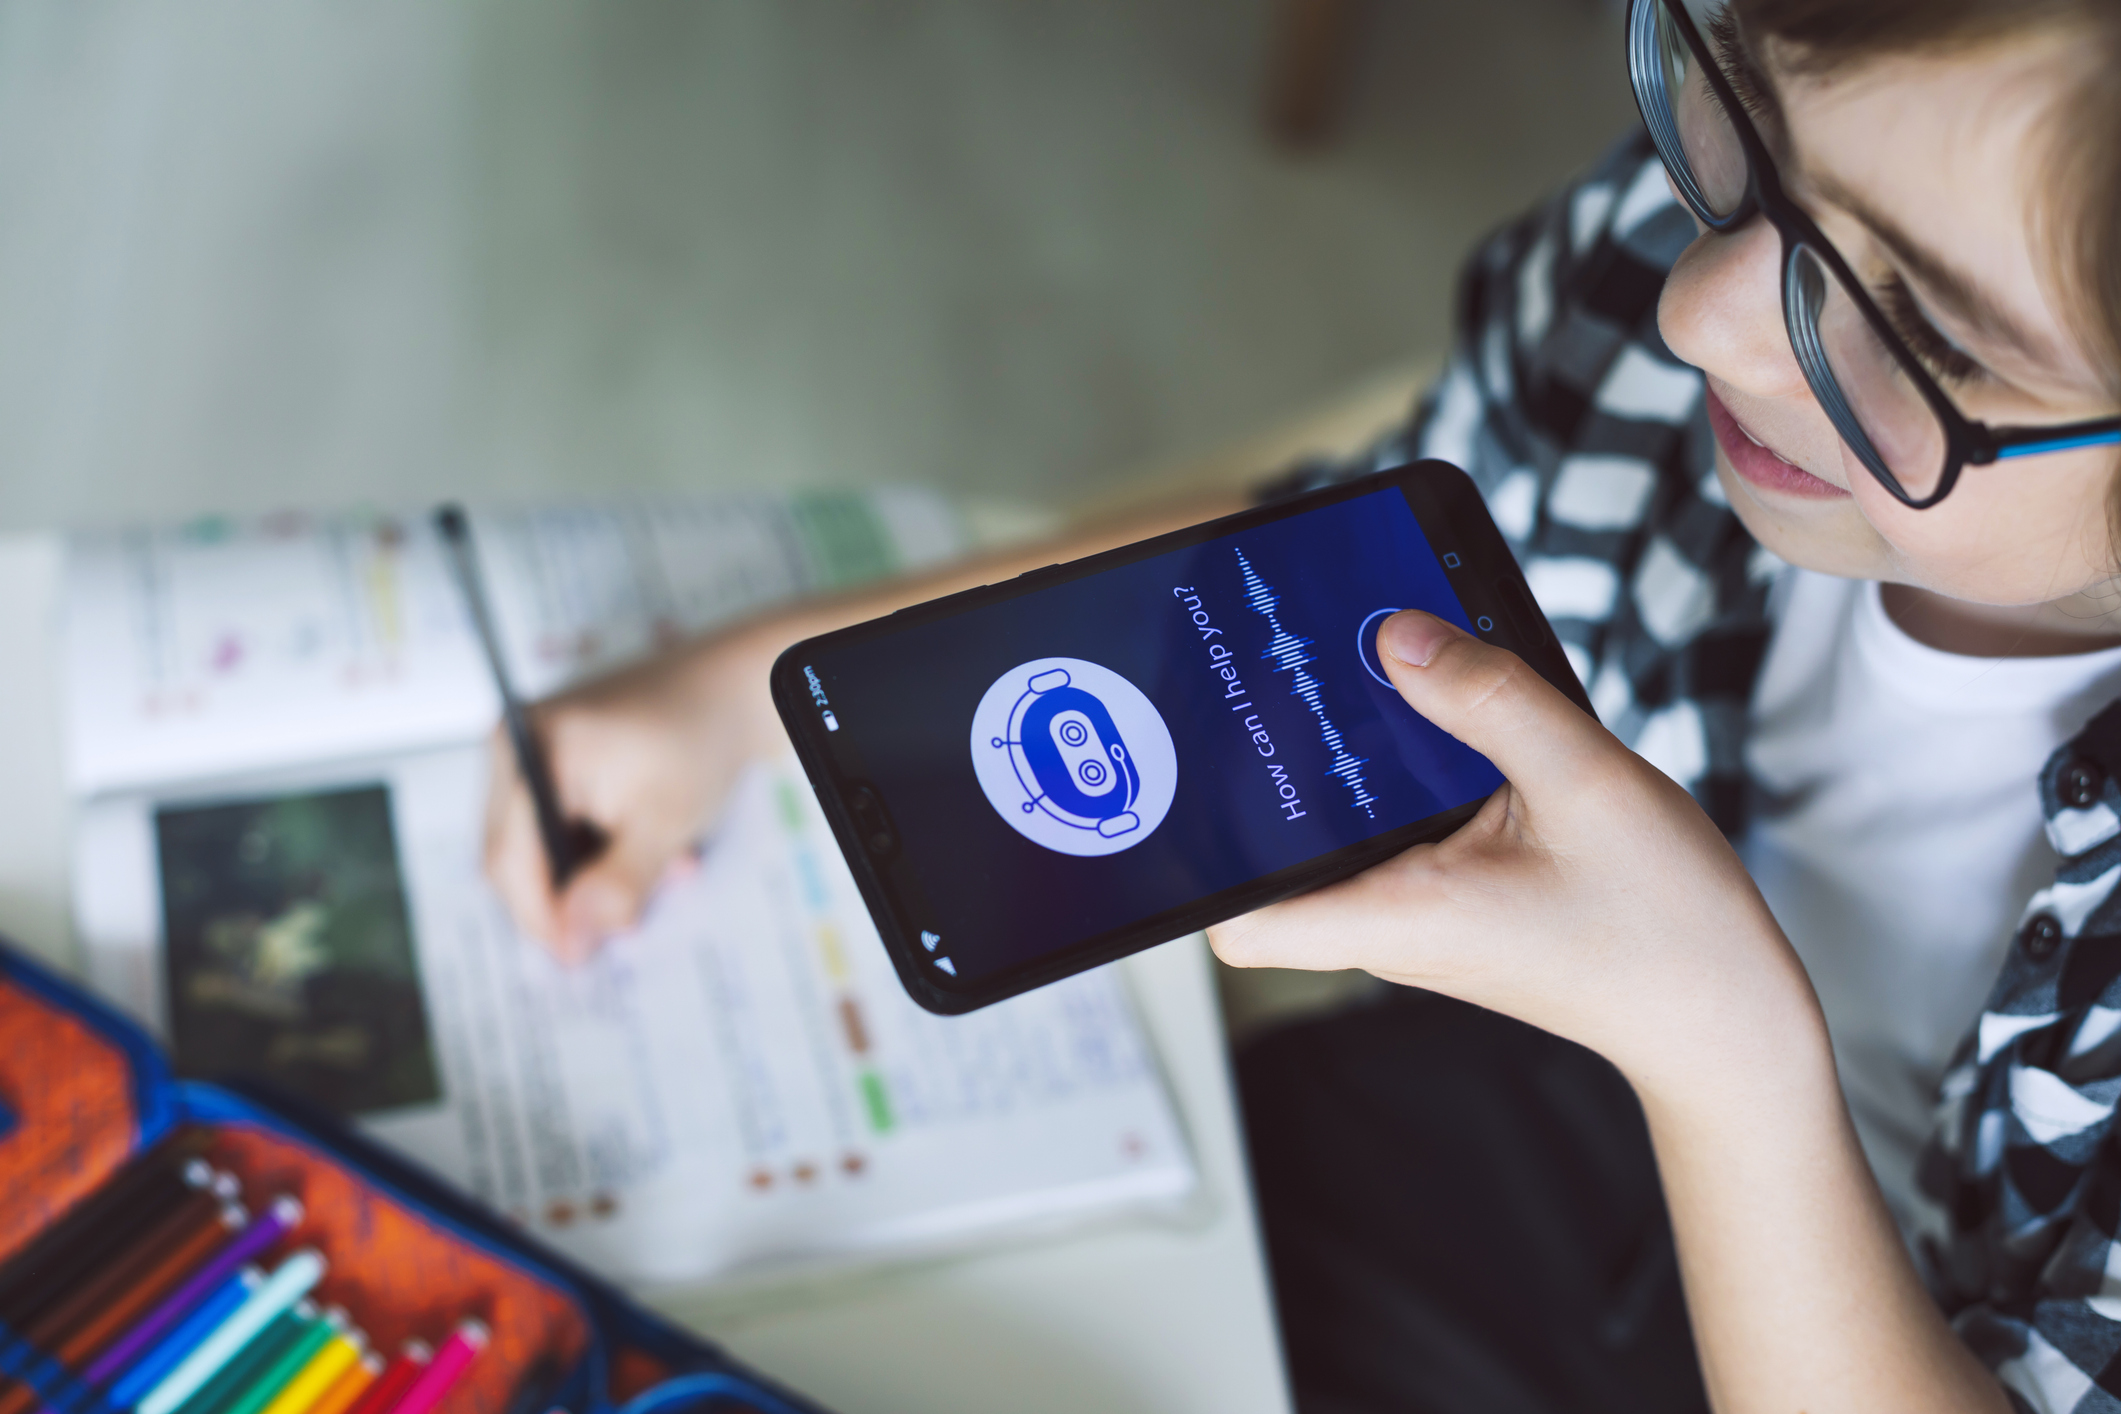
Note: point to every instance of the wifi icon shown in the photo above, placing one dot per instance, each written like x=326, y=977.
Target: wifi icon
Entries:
x=929, y=940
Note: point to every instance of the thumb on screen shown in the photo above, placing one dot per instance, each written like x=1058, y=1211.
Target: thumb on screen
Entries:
x=1490, y=699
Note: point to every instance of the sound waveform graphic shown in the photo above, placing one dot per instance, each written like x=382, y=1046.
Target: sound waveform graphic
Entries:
x=1292, y=655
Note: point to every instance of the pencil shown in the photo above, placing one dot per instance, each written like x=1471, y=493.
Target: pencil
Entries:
x=114, y=1230
x=278, y=1219
x=90, y=1216
x=287, y=1366
x=91, y=1287
x=569, y=844
x=160, y=1358
x=247, y=1364
x=383, y=1394
x=197, y=1210
x=448, y=1366
x=342, y=1352
x=289, y=1284
x=125, y=1289
x=349, y=1386
x=119, y=1289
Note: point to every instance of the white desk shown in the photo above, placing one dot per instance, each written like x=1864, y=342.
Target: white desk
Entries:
x=1118, y=1321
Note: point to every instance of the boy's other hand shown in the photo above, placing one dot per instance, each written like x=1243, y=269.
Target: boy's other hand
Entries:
x=1590, y=896
x=648, y=757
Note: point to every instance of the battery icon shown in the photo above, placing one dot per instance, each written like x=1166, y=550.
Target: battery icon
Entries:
x=832, y=723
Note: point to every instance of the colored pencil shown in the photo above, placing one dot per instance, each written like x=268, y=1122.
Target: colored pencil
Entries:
x=196, y=1211
x=251, y=1361
x=161, y=1357
x=448, y=1366
x=269, y=1227
x=349, y=1386
x=276, y=1377
x=126, y=1289
x=341, y=1353
x=89, y=1216
x=72, y=1290
x=388, y=1388
x=194, y=1224
x=287, y=1285
x=55, y=1275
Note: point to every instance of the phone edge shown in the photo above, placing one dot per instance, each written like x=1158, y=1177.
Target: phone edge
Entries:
x=790, y=704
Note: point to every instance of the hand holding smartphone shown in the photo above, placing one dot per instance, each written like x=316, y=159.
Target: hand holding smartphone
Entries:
x=1034, y=778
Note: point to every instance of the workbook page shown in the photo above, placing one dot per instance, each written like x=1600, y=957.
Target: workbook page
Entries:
x=244, y=645
x=743, y=1084
x=739, y=1086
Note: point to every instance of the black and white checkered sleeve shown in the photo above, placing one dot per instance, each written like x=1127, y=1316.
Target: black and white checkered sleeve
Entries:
x=1589, y=441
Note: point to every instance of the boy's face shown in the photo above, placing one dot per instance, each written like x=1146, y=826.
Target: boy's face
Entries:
x=1933, y=172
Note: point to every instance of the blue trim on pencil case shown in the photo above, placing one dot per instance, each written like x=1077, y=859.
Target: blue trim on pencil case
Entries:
x=162, y=1357
x=154, y=1106
x=710, y=1387
x=163, y=1101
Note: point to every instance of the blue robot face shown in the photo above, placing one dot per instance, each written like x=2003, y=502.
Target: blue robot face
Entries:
x=1080, y=770
x=1049, y=757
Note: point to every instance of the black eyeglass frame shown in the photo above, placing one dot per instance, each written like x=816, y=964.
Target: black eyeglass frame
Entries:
x=1968, y=442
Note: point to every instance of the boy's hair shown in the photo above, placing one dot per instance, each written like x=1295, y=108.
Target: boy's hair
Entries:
x=2085, y=224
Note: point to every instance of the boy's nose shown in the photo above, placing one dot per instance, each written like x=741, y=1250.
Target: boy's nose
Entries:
x=1722, y=312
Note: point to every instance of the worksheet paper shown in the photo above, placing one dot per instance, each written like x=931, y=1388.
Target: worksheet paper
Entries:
x=739, y=1086
x=223, y=646
x=745, y=1081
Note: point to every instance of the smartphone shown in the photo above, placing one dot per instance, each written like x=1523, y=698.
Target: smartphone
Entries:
x=1033, y=778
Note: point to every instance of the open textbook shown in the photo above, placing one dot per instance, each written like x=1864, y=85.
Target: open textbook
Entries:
x=220, y=645
x=278, y=737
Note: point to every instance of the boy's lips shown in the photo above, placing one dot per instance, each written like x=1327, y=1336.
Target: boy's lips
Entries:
x=1760, y=466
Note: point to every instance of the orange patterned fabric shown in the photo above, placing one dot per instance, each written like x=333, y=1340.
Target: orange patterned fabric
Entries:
x=72, y=1097
x=402, y=1276
x=399, y=1275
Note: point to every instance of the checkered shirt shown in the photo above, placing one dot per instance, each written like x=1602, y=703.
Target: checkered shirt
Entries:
x=1590, y=443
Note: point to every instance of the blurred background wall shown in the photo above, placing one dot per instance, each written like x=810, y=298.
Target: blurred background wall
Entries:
x=259, y=253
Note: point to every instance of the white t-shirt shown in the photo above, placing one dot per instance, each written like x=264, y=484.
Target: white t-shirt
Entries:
x=1897, y=834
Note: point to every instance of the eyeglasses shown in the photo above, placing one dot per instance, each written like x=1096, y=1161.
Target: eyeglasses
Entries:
x=1877, y=390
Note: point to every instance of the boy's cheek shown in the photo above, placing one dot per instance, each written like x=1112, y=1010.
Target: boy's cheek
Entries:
x=2003, y=537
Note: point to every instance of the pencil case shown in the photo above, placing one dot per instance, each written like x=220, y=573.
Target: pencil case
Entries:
x=83, y=1090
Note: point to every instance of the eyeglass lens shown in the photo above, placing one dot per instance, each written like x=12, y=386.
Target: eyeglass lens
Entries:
x=1856, y=375
x=1713, y=158
x=1877, y=408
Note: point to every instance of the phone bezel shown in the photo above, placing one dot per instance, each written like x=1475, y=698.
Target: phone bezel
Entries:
x=1451, y=514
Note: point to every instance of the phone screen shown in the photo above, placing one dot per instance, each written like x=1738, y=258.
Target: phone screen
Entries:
x=1089, y=754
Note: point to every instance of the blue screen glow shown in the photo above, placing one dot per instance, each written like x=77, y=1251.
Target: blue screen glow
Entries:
x=1096, y=752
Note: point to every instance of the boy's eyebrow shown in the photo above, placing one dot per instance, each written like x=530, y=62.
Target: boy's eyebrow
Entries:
x=1957, y=293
